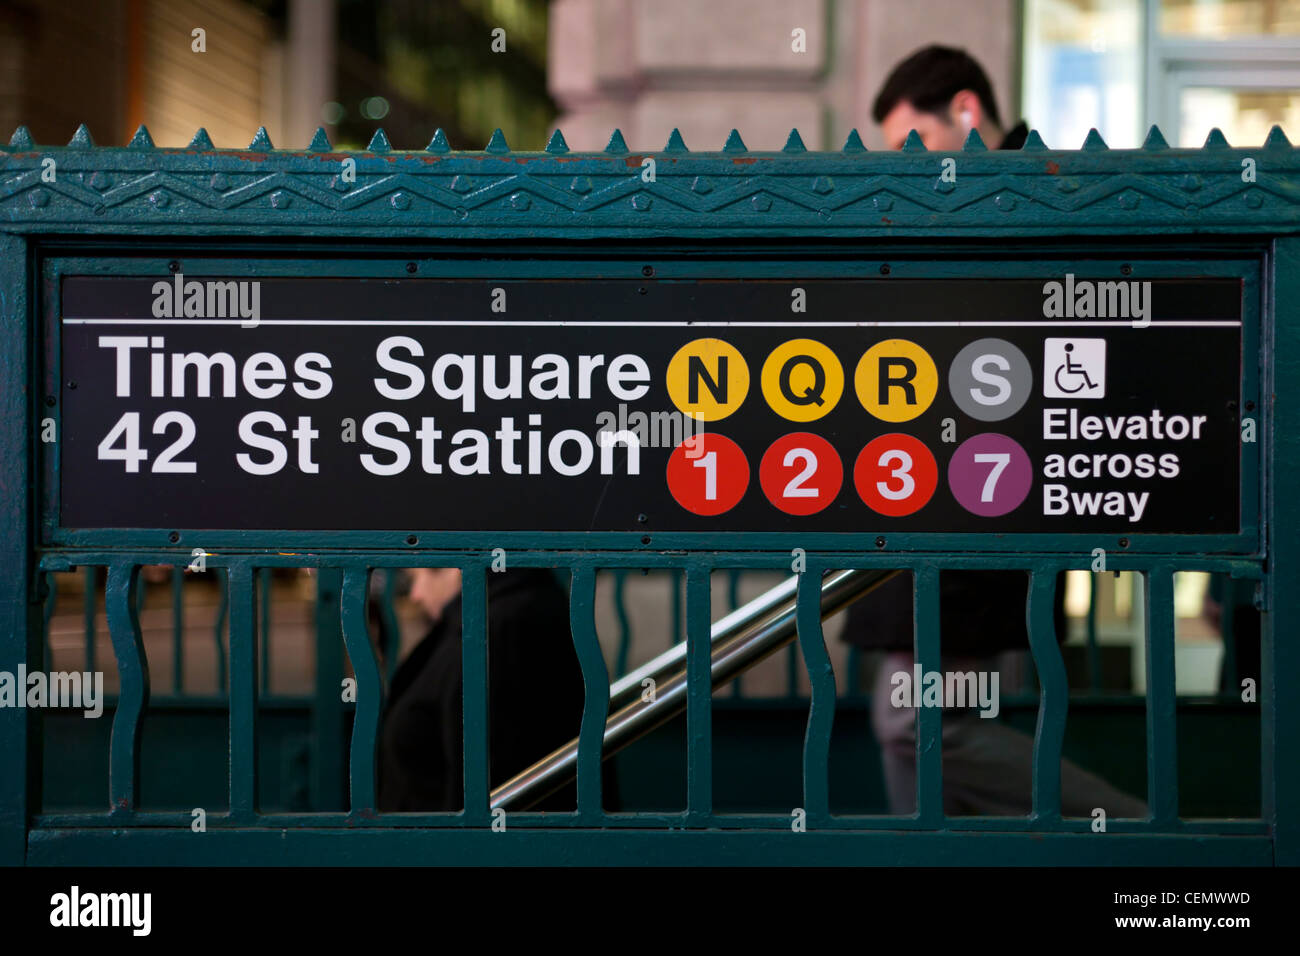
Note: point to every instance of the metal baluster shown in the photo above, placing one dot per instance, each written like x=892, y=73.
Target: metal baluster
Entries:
x=821, y=709
x=327, y=703
x=133, y=687
x=392, y=629
x=624, y=625
x=141, y=594
x=370, y=689
x=243, y=692
x=474, y=674
x=733, y=601
x=699, y=693
x=595, y=679
x=1053, y=697
x=1162, y=705
x=929, y=739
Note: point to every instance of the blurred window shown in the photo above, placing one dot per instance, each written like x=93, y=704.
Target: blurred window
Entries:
x=1187, y=66
x=1083, y=70
x=1244, y=115
x=1220, y=19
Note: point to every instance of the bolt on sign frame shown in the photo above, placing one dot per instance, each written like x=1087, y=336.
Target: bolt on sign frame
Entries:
x=675, y=215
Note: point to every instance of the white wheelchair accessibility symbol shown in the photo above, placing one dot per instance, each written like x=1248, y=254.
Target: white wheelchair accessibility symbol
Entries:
x=1074, y=368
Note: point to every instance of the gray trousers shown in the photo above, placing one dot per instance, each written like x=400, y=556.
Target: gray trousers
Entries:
x=987, y=766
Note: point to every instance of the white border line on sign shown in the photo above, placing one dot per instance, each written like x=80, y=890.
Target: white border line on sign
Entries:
x=1199, y=323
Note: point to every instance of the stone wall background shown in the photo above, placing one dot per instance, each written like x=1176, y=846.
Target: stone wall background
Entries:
x=706, y=66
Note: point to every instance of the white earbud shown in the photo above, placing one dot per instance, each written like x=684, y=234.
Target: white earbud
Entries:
x=965, y=118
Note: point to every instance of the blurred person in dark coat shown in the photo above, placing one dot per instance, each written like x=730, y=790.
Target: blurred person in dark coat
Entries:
x=535, y=690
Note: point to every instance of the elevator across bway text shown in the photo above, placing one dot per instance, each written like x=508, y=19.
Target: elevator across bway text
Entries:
x=827, y=405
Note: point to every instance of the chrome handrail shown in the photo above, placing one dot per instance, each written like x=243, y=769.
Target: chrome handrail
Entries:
x=738, y=641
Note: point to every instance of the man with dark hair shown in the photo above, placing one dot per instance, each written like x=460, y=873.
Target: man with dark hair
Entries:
x=987, y=766
x=943, y=94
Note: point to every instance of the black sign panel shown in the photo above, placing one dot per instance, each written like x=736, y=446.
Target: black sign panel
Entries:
x=1058, y=404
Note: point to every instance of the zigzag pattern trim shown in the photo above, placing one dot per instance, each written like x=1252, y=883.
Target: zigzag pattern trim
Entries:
x=736, y=191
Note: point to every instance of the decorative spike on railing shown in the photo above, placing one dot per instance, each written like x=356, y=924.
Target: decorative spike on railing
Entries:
x=1093, y=141
x=1155, y=139
x=22, y=140
x=141, y=139
x=616, y=145
x=439, y=143
x=261, y=142
x=214, y=172
x=1216, y=140
x=556, y=143
x=675, y=142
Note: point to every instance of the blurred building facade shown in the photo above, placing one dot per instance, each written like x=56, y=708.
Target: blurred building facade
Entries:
x=643, y=66
x=410, y=66
x=647, y=66
x=115, y=64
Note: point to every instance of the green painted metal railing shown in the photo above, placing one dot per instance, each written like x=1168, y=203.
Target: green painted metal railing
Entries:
x=383, y=597
x=881, y=210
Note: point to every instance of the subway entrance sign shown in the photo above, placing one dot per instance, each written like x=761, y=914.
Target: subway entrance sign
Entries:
x=1013, y=400
x=891, y=370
